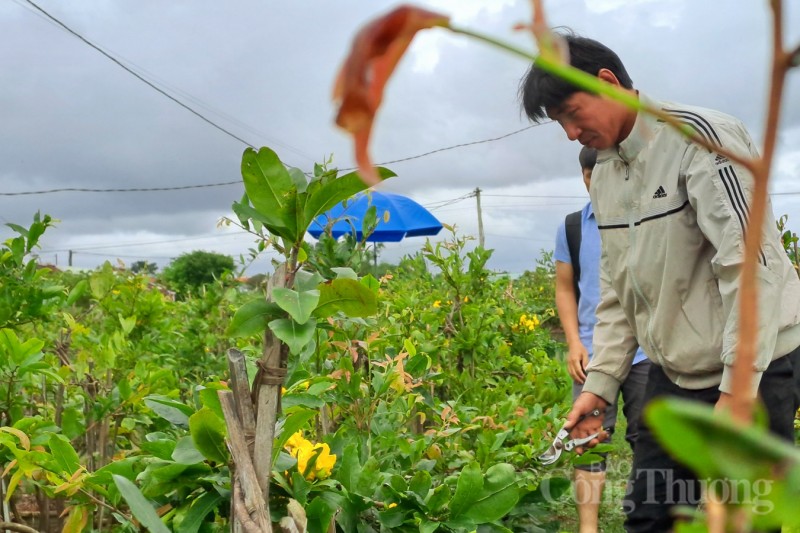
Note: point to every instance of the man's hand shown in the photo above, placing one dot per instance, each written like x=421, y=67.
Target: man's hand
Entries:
x=580, y=424
x=577, y=359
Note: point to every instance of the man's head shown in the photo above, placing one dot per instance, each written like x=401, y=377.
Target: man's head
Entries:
x=593, y=120
x=587, y=159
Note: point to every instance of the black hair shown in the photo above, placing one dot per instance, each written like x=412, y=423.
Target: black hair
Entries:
x=540, y=90
x=587, y=158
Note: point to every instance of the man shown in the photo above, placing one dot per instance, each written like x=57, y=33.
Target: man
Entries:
x=576, y=310
x=672, y=217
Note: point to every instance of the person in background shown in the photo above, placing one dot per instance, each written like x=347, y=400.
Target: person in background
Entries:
x=577, y=257
x=672, y=217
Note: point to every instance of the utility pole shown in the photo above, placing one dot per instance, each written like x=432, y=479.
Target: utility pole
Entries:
x=69, y=261
x=480, y=217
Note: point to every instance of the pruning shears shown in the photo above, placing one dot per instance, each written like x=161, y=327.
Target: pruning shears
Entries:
x=561, y=444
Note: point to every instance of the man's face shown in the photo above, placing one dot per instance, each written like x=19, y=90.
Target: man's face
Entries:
x=591, y=120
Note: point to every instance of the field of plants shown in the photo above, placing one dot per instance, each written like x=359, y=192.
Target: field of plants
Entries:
x=420, y=404
x=413, y=400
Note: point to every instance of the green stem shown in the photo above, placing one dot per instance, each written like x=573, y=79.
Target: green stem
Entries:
x=491, y=40
x=577, y=77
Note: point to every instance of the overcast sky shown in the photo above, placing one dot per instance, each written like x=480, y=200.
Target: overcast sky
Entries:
x=263, y=70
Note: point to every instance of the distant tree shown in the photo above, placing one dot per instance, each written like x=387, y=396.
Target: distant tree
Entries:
x=193, y=270
x=143, y=267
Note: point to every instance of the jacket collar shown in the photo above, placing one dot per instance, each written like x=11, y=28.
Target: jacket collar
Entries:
x=638, y=138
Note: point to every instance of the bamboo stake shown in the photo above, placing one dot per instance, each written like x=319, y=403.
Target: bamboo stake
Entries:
x=254, y=504
x=267, y=390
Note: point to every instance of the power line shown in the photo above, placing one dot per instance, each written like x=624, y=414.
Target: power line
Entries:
x=102, y=246
x=221, y=184
x=472, y=143
x=438, y=205
x=137, y=75
x=136, y=189
x=42, y=13
x=123, y=256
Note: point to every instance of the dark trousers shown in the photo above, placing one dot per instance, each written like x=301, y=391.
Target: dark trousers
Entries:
x=658, y=482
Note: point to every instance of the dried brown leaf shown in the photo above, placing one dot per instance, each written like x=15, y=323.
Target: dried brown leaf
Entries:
x=359, y=86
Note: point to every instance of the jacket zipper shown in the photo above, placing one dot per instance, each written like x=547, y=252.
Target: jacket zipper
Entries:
x=632, y=241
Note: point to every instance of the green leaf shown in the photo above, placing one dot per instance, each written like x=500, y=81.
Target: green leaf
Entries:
x=141, y=508
x=303, y=399
x=717, y=448
x=294, y=422
x=72, y=423
x=19, y=229
x=370, y=282
x=348, y=296
x=124, y=388
x=36, y=230
x=438, y=498
x=306, y=281
x=298, y=178
x=349, y=468
x=418, y=365
x=198, y=511
x=77, y=291
x=468, y=489
x=101, y=282
x=427, y=526
x=499, y=495
x=336, y=191
x=209, y=397
x=169, y=409
x=319, y=513
x=392, y=518
x=345, y=273
x=408, y=344
x=420, y=484
x=712, y=444
x=299, y=305
x=245, y=212
x=126, y=468
x=18, y=351
x=295, y=335
x=270, y=188
x=64, y=454
x=252, y=318
x=186, y=452
x=208, y=433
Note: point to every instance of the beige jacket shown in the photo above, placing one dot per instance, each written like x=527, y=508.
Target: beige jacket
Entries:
x=671, y=216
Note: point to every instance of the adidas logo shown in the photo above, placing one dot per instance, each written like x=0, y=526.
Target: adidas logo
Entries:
x=720, y=160
x=660, y=192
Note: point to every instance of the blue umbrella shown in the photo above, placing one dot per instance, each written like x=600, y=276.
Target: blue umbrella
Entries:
x=398, y=217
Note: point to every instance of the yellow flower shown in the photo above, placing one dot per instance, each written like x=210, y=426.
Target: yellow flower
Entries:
x=437, y=304
x=391, y=505
x=295, y=441
x=466, y=299
x=304, y=451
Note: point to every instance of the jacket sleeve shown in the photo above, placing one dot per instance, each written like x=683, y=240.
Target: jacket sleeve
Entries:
x=614, y=343
x=721, y=191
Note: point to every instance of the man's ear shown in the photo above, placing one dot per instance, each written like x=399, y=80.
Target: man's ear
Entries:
x=608, y=76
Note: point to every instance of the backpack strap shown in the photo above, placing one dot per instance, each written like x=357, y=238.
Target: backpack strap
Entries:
x=572, y=225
